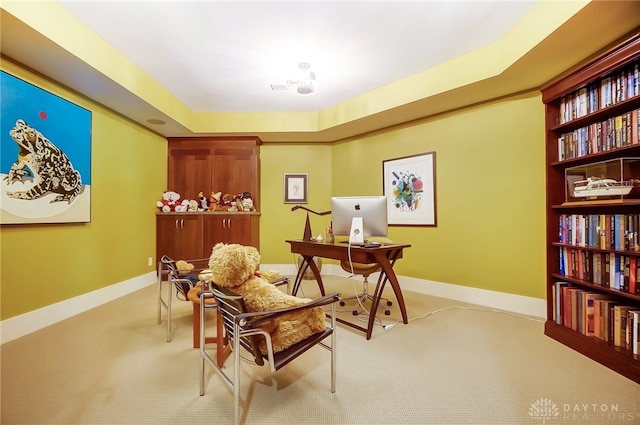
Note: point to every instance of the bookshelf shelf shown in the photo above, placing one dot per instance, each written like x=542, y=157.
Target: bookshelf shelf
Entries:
x=600, y=115
x=592, y=115
x=599, y=156
x=587, y=284
x=615, y=358
x=598, y=204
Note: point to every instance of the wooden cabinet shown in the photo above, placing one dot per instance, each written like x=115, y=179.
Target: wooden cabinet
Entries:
x=242, y=228
x=210, y=164
x=206, y=164
x=189, y=171
x=193, y=235
x=593, y=118
x=179, y=235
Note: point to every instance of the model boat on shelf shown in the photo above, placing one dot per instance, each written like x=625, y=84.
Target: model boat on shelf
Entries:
x=595, y=187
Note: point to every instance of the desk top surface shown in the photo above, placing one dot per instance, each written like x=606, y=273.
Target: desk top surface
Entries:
x=342, y=251
x=338, y=245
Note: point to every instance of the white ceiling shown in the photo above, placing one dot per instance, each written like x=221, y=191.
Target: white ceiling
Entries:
x=219, y=56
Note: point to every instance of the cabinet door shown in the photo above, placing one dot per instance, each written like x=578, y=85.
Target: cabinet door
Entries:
x=210, y=164
x=230, y=228
x=214, y=225
x=239, y=230
x=234, y=170
x=179, y=236
x=189, y=172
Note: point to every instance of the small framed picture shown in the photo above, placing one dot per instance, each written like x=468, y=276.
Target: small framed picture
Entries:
x=295, y=188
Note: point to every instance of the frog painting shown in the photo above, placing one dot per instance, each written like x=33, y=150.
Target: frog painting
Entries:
x=45, y=156
x=47, y=165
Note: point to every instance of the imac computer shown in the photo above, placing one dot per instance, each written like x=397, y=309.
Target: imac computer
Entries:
x=359, y=217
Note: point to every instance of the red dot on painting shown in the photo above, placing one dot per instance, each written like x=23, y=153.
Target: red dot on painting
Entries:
x=43, y=115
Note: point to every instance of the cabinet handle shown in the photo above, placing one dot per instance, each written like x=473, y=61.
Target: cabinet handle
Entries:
x=182, y=223
x=228, y=223
x=177, y=227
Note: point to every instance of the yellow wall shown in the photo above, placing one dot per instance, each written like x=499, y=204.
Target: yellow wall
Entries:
x=278, y=223
x=489, y=186
x=45, y=264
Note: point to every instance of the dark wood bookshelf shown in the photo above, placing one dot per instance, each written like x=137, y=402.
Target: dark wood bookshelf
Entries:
x=615, y=358
x=555, y=95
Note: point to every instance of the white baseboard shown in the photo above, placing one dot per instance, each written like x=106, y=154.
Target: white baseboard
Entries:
x=528, y=306
x=520, y=304
x=18, y=326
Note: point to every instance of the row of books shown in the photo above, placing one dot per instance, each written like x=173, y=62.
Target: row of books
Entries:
x=616, y=132
x=615, y=88
x=614, y=271
x=602, y=231
x=597, y=315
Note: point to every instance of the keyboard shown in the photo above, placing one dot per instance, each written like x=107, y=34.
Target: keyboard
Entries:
x=365, y=244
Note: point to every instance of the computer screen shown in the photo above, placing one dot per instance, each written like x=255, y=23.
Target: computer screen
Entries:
x=372, y=210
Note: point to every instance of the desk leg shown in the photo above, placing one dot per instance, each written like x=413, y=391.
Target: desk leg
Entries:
x=387, y=273
x=377, y=294
x=386, y=263
x=308, y=262
x=301, y=270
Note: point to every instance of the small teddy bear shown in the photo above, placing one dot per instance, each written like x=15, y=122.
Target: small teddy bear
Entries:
x=235, y=267
x=193, y=206
x=226, y=201
x=170, y=202
x=185, y=272
x=236, y=203
x=214, y=201
x=204, y=203
x=247, y=202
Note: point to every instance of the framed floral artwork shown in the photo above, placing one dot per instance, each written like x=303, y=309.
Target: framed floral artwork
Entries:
x=410, y=187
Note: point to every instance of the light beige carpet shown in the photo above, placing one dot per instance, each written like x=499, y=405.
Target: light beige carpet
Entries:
x=112, y=365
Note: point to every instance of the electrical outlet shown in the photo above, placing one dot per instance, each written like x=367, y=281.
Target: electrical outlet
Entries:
x=150, y=262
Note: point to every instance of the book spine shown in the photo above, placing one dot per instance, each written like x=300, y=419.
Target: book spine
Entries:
x=633, y=276
x=635, y=332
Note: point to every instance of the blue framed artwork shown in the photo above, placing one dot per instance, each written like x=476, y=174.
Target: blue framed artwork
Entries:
x=45, y=156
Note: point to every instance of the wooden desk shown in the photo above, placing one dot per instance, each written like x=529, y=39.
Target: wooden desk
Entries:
x=384, y=255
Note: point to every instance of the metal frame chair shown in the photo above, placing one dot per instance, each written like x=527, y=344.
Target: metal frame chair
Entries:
x=243, y=330
x=167, y=268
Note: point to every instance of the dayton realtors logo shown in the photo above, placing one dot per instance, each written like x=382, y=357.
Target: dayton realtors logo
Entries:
x=546, y=410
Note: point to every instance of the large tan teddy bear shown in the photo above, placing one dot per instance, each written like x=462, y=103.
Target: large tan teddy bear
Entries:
x=235, y=267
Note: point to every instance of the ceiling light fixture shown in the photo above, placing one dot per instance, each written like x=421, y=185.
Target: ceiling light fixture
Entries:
x=306, y=81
